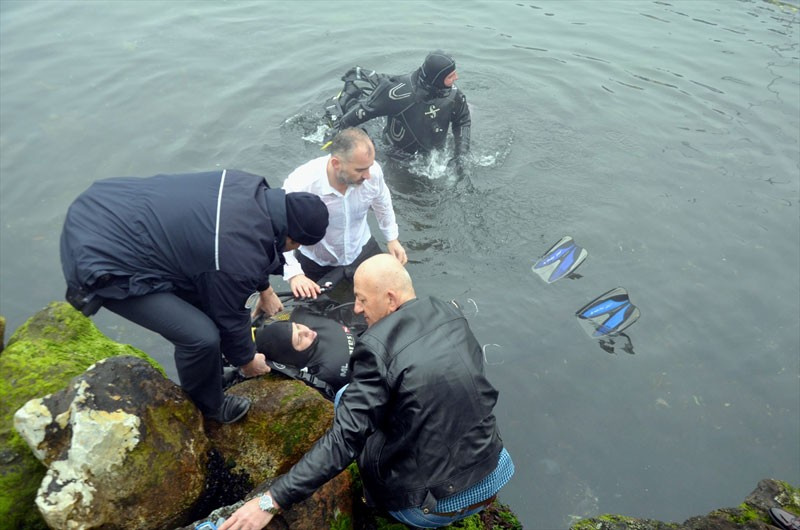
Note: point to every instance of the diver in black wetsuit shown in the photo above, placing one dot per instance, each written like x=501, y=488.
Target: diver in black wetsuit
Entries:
x=312, y=347
x=420, y=107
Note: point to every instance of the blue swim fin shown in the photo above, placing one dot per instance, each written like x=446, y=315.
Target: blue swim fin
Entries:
x=561, y=260
x=608, y=314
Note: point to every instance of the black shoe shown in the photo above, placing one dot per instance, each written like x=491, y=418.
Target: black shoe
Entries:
x=784, y=520
x=232, y=410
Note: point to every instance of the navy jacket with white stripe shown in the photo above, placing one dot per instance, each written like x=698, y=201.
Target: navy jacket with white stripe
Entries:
x=213, y=238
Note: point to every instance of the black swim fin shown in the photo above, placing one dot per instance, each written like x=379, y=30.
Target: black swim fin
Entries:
x=608, y=314
x=561, y=260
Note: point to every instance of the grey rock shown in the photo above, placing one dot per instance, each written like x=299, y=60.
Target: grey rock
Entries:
x=124, y=447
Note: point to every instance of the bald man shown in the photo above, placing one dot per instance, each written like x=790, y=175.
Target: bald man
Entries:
x=417, y=414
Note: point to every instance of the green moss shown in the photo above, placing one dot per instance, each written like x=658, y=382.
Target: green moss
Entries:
x=156, y=468
x=612, y=518
x=42, y=356
x=747, y=513
x=789, y=498
x=473, y=522
x=508, y=517
x=585, y=524
x=293, y=429
x=18, y=510
x=614, y=521
x=341, y=522
x=182, y=416
x=298, y=390
x=741, y=515
x=355, y=475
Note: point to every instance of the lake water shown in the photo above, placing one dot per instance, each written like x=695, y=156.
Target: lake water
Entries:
x=662, y=135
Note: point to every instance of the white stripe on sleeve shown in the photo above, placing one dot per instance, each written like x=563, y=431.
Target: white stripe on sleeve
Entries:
x=216, y=228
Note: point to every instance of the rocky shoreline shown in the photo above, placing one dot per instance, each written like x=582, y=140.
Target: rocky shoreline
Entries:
x=94, y=435
x=752, y=514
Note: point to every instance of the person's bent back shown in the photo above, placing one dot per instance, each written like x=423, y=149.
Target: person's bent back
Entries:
x=439, y=432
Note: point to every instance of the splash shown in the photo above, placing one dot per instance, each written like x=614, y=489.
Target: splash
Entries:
x=316, y=136
x=435, y=166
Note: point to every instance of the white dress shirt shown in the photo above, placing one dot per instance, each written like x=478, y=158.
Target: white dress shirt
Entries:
x=348, y=230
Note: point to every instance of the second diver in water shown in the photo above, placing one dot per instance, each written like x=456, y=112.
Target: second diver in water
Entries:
x=420, y=107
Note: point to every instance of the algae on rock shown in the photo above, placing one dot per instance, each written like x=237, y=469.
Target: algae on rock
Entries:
x=41, y=357
x=752, y=514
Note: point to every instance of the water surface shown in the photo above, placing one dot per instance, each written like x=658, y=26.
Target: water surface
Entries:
x=662, y=135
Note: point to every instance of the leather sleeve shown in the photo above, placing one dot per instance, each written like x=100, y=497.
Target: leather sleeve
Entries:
x=360, y=410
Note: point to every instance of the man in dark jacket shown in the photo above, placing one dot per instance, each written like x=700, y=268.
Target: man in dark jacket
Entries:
x=417, y=414
x=420, y=107
x=184, y=256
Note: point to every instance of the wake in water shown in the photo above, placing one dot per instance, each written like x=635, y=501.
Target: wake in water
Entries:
x=317, y=136
x=439, y=207
x=438, y=165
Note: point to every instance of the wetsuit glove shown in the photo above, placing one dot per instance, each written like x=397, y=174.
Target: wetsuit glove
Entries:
x=329, y=134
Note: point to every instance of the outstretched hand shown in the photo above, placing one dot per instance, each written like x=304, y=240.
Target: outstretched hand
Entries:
x=396, y=249
x=304, y=287
x=258, y=366
x=268, y=303
x=248, y=517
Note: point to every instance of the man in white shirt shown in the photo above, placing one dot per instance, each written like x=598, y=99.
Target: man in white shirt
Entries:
x=350, y=183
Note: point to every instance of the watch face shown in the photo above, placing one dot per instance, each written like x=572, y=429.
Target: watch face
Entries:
x=266, y=504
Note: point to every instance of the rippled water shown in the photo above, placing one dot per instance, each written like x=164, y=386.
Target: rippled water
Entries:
x=661, y=135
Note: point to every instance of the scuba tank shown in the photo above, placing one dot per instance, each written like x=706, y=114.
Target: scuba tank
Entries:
x=358, y=85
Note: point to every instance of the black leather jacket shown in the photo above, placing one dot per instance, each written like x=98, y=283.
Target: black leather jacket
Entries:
x=417, y=414
x=418, y=116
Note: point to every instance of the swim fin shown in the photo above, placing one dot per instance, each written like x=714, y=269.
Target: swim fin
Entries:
x=608, y=314
x=561, y=260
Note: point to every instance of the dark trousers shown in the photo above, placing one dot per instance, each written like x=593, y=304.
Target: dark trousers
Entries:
x=198, y=358
x=316, y=272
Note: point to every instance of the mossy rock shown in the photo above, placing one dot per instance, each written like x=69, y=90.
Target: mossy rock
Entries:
x=752, y=514
x=41, y=357
x=621, y=522
x=285, y=420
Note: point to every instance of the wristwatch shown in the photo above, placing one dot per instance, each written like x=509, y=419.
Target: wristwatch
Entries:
x=268, y=505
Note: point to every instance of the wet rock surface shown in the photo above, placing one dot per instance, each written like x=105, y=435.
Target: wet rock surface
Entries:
x=40, y=358
x=116, y=442
x=752, y=514
x=95, y=436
